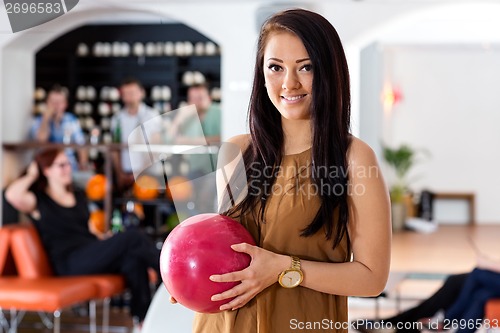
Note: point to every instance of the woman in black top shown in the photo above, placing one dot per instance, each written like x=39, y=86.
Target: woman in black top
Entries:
x=61, y=216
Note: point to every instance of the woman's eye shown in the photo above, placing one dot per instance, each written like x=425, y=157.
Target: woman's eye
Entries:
x=274, y=68
x=307, y=68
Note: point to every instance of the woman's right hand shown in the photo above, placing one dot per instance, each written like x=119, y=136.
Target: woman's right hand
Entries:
x=173, y=300
x=32, y=170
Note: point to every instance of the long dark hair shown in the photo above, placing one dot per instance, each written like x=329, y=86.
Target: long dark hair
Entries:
x=44, y=159
x=330, y=119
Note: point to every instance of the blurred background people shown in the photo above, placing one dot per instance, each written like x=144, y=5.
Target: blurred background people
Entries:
x=134, y=113
x=185, y=127
x=60, y=214
x=58, y=126
x=199, y=128
x=462, y=297
x=440, y=301
x=481, y=285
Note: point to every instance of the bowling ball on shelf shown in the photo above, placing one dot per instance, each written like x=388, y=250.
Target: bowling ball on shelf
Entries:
x=96, y=187
x=146, y=187
x=179, y=188
x=196, y=249
x=97, y=220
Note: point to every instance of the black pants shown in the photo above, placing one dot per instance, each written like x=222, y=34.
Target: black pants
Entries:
x=129, y=253
x=440, y=300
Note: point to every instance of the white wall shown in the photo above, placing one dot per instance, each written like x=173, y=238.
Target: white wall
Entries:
x=451, y=108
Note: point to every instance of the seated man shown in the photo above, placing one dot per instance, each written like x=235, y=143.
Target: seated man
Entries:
x=58, y=126
x=133, y=114
x=199, y=128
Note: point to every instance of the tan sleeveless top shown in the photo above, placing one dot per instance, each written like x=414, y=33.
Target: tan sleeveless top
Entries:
x=291, y=207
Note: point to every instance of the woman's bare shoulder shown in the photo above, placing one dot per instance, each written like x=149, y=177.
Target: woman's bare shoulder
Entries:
x=360, y=153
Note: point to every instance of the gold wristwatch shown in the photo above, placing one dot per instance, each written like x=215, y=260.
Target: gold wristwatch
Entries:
x=292, y=277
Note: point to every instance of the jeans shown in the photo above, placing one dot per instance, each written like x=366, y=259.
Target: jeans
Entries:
x=480, y=286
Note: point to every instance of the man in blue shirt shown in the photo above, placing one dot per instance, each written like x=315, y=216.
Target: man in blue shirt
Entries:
x=58, y=126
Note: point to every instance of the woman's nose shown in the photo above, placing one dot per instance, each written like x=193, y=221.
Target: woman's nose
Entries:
x=290, y=81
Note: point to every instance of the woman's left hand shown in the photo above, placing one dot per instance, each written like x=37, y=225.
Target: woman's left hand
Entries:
x=262, y=272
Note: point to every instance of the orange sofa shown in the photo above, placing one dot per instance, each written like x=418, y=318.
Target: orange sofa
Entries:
x=44, y=294
x=32, y=263
x=35, y=288
x=492, y=312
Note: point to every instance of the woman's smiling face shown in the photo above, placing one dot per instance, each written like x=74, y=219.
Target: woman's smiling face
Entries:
x=288, y=74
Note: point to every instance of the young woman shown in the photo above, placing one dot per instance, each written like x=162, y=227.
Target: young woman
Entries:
x=316, y=204
x=61, y=216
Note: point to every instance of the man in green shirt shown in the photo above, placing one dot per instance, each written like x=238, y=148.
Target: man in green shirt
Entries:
x=200, y=128
x=187, y=129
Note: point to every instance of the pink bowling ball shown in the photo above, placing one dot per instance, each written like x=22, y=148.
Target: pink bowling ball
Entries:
x=196, y=249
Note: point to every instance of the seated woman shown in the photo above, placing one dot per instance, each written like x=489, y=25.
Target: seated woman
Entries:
x=61, y=216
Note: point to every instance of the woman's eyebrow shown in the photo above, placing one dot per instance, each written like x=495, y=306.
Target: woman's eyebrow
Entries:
x=297, y=61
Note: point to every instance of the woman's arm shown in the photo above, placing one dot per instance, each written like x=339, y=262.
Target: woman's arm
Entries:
x=370, y=234
x=369, y=231
x=18, y=193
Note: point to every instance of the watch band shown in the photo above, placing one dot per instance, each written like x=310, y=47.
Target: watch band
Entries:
x=295, y=263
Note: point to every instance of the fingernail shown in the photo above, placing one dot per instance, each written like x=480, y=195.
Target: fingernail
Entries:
x=212, y=278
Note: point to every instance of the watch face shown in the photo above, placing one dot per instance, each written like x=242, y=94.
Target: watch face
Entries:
x=291, y=279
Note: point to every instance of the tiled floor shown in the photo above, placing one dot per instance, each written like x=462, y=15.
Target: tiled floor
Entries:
x=73, y=322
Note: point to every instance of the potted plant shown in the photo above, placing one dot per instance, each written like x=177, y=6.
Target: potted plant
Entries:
x=400, y=159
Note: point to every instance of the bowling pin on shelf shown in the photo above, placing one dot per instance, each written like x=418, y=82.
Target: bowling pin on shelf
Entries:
x=216, y=94
x=125, y=49
x=116, y=49
x=97, y=50
x=87, y=108
x=159, y=49
x=199, y=49
x=179, y=49
x=82, y=50
x=114, y=94
x=106, y=49
x=166, y=93
x=91, y=93
x=169, y=49
x=188, y=78
x=104, y=93
x=150, y=49
x=156, y=93
x=210, y=48
x=198, y=77
x=40, y=94
x=81, y=93
x=188, y=48
x=104, y=109
x=138, y=49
